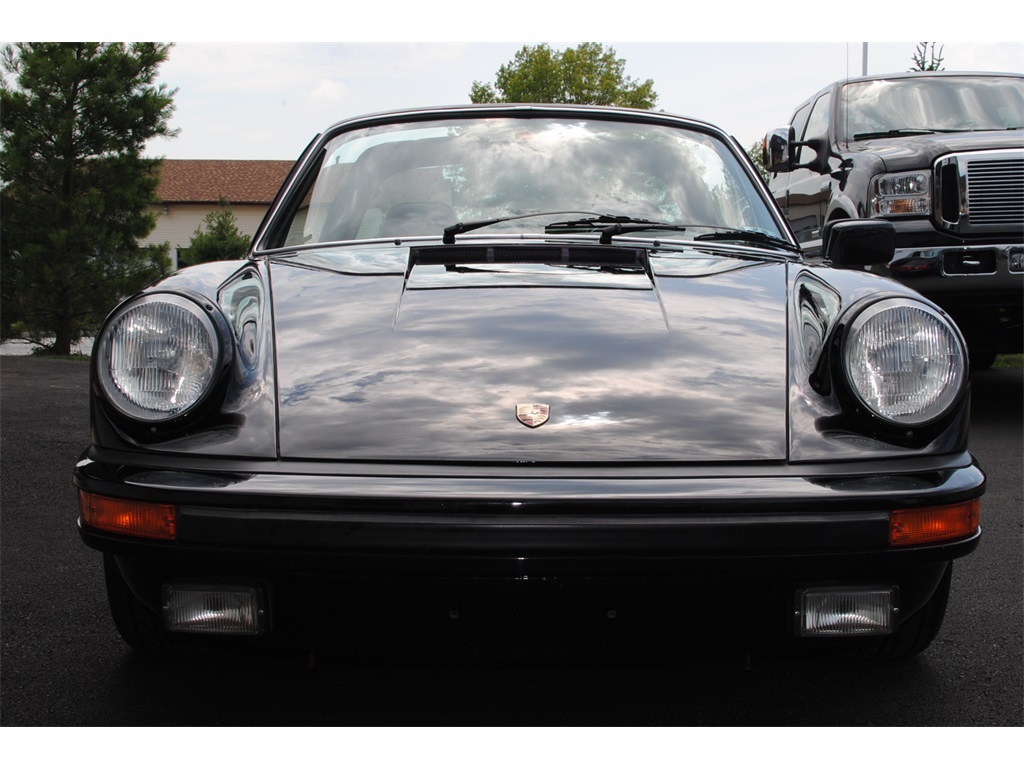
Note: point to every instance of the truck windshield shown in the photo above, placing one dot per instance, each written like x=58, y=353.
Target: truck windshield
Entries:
x=903, y=106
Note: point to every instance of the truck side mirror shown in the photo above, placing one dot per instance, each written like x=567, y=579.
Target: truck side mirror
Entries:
x=856, y=243
x=777, y=150
x=819, y=163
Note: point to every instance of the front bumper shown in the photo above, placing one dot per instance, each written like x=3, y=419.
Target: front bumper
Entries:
x=434, y=512
x=980, y=285
x=568, y=545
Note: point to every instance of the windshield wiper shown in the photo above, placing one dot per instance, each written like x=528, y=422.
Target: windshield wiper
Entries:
x=468, y=226
x=609, y=225
x=750, y=236
x=923, y=131
x=976, y=130
x=893, y=132
x=614, y=225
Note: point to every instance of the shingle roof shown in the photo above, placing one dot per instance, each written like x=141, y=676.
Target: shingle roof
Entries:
x=206, y=181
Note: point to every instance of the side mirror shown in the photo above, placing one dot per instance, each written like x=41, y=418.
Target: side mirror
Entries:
x=777, y=151
x=779, y=148
x=856, y=243
x=819, y=163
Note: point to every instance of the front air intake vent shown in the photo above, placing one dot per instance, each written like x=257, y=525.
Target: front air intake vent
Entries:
x=569, y=255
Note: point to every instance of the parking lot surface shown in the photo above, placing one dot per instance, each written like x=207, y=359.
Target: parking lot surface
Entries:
x=64, y=664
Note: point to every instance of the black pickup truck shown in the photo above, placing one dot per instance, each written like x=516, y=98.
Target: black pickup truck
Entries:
x=941, y=156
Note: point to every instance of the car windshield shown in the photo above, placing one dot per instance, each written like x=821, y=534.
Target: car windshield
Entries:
x=931, y=105
x=417, y=178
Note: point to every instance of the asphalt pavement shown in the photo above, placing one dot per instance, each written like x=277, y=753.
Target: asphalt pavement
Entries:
x=63, y=664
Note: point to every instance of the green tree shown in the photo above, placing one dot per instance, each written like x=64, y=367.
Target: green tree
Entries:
x=587, y=74
x=74, y=187
x=925, y=59
x=221, y=241
x=756, y=154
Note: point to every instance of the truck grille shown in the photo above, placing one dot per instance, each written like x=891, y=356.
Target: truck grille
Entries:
x=995, y=192
x=981, y=192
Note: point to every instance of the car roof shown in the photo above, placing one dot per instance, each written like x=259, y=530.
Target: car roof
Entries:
x=526, y=110
x=916, y=75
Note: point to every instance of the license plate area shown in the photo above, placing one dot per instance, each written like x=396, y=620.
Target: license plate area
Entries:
x=974, y=262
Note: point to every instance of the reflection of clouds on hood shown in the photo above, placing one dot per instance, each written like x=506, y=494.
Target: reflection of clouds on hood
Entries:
x=443, y=382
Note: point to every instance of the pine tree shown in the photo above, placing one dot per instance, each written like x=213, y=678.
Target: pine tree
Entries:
x=221, y=241
x=76, y=190
x=926, y=60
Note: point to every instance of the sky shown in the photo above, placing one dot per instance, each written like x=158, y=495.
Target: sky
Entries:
x=262, y=101
x=242, y=99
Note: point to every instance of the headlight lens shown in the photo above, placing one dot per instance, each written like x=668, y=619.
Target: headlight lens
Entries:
x=158, y=357
x=904, y=362
x=902, y=194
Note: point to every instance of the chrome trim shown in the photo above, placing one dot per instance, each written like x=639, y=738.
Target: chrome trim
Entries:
x=1007, y=184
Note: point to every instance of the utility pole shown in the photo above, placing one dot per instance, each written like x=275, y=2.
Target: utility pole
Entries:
x=864, y=68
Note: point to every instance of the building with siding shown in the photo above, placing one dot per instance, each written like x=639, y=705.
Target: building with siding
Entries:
x=190, y=189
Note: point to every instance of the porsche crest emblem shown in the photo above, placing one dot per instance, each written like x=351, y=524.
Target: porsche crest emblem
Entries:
x=532, y=414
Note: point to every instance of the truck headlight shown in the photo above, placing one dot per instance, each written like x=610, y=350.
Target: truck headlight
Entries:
x=902, y=194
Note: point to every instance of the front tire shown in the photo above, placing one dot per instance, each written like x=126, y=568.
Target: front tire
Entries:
x=915, y=634
x=138, y=626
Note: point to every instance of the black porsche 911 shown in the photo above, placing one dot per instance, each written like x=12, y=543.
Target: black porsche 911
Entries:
x=559, y=371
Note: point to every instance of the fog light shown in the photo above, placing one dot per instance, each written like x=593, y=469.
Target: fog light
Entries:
x=215, y=610
x=846, y=612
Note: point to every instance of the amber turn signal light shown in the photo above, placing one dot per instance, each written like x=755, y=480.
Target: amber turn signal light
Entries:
x=934, y=524
x=130, y=518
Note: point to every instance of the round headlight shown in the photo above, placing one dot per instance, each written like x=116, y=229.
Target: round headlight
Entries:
x=904, y=362
x=157, y=357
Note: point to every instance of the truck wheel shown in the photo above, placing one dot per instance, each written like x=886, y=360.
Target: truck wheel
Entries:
x=981, y=361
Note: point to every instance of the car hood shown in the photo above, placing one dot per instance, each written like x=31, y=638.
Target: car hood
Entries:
x=425, y=355
x=910, y=152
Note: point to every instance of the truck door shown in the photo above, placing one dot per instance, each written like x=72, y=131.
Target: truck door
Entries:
x=809, y=190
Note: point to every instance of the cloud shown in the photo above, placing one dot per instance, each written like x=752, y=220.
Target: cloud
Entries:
x=331, y=91
x=266, y=100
